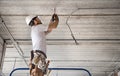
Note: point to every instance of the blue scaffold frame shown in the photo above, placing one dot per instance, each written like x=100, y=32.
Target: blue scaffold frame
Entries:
x=53, y=69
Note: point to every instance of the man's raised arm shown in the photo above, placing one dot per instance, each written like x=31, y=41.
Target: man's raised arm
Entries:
x=53, y=22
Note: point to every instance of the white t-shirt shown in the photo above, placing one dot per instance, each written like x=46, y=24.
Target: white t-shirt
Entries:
x=38, y=37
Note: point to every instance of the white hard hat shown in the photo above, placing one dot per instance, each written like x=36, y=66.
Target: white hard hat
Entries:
x=28, y=19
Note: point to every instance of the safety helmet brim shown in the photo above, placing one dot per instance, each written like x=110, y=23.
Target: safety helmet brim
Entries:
x=29, y=19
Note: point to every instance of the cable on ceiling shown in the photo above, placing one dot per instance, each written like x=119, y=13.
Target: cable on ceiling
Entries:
x=70, y=27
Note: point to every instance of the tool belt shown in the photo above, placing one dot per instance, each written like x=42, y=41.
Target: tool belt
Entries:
x=39, y=59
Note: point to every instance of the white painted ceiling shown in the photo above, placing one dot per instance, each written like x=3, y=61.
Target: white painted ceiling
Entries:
x=94, y=23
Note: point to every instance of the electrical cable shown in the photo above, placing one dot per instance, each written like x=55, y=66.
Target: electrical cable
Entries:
x=70, y=27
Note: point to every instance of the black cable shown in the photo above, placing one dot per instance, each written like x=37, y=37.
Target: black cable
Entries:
x=70, y=28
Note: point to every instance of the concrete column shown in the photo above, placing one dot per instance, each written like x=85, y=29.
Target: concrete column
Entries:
x=2, y=52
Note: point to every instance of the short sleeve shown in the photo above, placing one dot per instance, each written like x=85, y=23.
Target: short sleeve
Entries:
x=43, y=27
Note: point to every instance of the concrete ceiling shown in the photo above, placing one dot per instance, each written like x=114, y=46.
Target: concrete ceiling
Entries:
x=94, y=23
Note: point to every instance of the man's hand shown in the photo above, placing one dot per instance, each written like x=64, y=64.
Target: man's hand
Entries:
x=55, y=17
x=54, y=22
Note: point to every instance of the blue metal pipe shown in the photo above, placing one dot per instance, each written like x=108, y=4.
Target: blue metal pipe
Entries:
x=53, y=69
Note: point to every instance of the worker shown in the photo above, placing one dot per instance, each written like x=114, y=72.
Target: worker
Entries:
x=38, y=35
